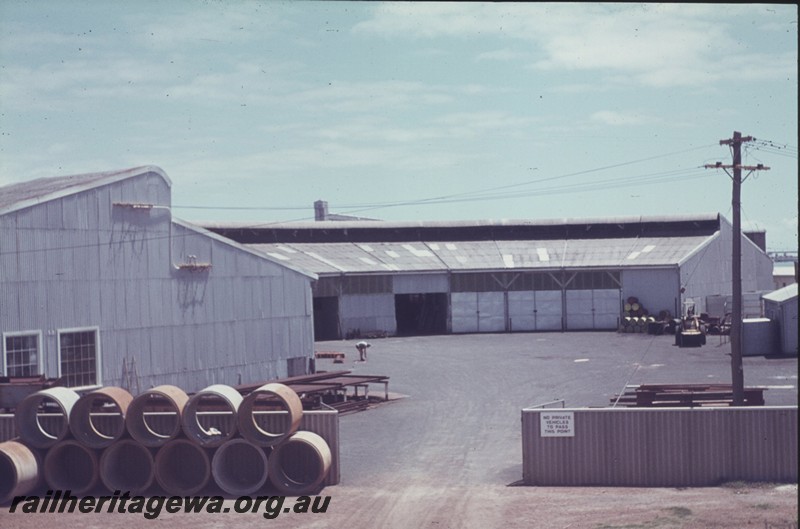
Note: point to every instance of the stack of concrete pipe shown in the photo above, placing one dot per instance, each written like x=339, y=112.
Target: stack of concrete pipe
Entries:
x=162, y=438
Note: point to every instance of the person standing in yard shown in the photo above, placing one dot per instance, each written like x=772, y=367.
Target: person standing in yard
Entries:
x=361, y=347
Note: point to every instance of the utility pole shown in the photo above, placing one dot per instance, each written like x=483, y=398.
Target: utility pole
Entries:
x=737, y=370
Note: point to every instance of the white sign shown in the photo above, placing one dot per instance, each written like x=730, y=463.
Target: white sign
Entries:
x=557, y=424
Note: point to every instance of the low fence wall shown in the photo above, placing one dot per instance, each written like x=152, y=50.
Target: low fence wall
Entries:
x=658, y=447
x=324, y=423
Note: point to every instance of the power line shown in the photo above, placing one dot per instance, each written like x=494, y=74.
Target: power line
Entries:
x=492, y=193
x=670, y=176
x=480, y=193
x=737, y=368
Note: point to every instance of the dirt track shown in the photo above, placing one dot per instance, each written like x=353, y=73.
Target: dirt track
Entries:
x=448, y=454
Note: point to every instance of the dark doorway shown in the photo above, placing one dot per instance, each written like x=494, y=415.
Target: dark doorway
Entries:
x=421, y=313
x=326, y=318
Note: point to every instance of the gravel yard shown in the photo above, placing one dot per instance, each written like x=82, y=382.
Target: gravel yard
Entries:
x=446, y=451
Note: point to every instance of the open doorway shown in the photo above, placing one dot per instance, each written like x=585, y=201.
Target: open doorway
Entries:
x=326, y=318
x=421, y=313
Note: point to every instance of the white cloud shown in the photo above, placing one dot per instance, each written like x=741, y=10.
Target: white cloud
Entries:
x=349, y=96
x=659, y=45
x=444, y=127
x=610, y=117
x=209, y=27
x=504, y=55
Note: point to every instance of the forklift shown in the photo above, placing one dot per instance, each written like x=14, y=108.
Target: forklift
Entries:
x=690, y=331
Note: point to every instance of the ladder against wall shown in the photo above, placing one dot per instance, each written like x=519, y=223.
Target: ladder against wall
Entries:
x=130, y=376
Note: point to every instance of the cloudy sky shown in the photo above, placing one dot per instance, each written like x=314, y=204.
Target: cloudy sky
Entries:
x=409, y=111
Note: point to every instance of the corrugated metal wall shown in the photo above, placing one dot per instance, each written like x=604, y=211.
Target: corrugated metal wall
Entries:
x=785, y=314
x=656, y=289
x=368, y=312
x=421, y=284
x=592, y=309
x=663, y=447
x=324, y=423
x=708, y=271
x=79, y=261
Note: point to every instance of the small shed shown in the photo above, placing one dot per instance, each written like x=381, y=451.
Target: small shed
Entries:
x=781, y=306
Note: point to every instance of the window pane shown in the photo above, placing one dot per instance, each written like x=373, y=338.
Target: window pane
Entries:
x=78, y=358
x=22, y=353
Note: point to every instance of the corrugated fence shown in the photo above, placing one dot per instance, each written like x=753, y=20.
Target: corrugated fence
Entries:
x=667, y=447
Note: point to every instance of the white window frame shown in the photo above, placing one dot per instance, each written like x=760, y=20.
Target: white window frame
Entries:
x=39, y=349
x=98, y=356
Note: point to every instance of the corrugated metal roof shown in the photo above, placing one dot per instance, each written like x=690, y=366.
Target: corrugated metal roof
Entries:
x=382, y=224
x=466, y=231
x=25, y=194
x=361, y=258
x=243, y=248
x=782, y=294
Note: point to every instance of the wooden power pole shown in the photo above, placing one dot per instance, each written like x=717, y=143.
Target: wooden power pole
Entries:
x=737, y=370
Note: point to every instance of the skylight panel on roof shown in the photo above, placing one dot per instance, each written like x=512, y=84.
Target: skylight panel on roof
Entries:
x=368, y=261
x=543, y=255
x=434, y=246
x=326, y=261
x=285, y=249
x=633, y=255
x=450, y=246
x=392, y=253
x=417, y=253
x=508, y=260
x=649, y=248
x=366, y=247
x=278, y=256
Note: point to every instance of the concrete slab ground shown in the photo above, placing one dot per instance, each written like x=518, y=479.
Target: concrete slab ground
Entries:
x=449, y=454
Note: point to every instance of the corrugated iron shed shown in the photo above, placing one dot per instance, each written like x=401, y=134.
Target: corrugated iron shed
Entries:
x=362, y=258
x=25, y=194
x=782, y=295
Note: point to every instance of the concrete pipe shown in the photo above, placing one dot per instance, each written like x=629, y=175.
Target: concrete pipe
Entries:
x=300, y=464
x=210, y=416
x=71, y=466
x=42, y=418
x=127, y=466
x=270, y=414
x=183, y=468
x=239, y=467
x=154, y=417
x=19, y=470
x=98, y=418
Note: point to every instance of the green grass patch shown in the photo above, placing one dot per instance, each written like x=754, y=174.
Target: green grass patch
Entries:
x=675, y=519
x=680, y=512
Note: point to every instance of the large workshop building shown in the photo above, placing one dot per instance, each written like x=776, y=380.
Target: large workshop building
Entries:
x=100, y=285
x=461, y=277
